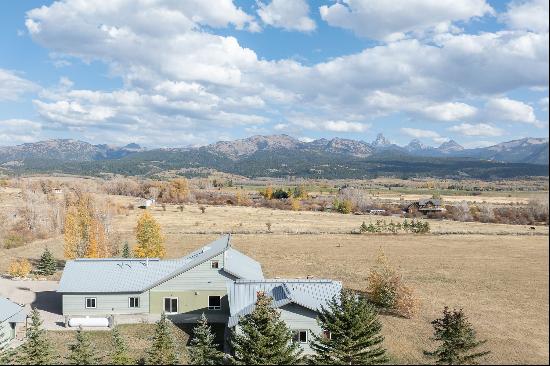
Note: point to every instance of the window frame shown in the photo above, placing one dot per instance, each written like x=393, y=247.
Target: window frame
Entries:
x=297, y=337
x=136, y=299
x=86, y=302
x=171, y=298
x=215, y=307
x=216, y=263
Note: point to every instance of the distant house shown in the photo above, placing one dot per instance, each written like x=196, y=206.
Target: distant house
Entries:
x=298, y=300
x=377, y=211
x=12, y=320
x=58, y=190
x=425, y=206
x=147, y=203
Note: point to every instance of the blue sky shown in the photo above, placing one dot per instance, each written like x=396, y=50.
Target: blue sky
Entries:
x=168, y=73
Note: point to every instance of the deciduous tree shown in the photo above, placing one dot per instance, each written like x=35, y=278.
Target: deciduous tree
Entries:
x=150, y=241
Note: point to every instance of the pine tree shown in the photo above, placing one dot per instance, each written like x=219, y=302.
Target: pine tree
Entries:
x=203, y=351
x=47, y=265
x=354, y=333
x=37, y=350
x=150, y=242
x=81, y=352
x=458, y=340
x=120, y=354
x=163, y=350
x=126, y=250
x=262, y=338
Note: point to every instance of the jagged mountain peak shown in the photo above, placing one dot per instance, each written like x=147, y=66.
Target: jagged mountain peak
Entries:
x=380, y=141
x=450, y=146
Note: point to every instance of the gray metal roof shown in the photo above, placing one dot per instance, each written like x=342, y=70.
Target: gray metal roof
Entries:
x=242, y=266
x=12, y=311
x=136, y=275
x=309, y=293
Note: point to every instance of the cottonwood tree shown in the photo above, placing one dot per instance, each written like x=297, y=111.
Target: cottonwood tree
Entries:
x=120, y=355
x=162, y=350
x=37, y=350
x=150, y=241
x=81, y=352
x=203, y=350
x=47, y=264
x=457, y=340
x=351, y=333
x=262, y=338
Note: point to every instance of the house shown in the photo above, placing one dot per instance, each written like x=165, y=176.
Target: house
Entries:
x=298, y=300
x=183, y=288
x=425, y=206
x=147, y=203
x=12, y=319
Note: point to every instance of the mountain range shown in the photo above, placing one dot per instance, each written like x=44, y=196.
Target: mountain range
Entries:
x=278, y=155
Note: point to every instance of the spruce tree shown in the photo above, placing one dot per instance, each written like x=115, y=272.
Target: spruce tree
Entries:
x=120, y=354
x=354, y=337
x=163, y=350
x=262, y=338
x=47, y=265
x=458, y=340
x=203, y=351
x=37, y=350
x=81, y=352
x=126, y=250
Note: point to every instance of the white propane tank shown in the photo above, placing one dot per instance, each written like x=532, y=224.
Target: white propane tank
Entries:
x=88, y=322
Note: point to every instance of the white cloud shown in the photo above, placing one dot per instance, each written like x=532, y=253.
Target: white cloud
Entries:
x=423, y=134
x=16, y=131
x=392, y=20
x=287, y=14
x=12, y=87
x=543, y=102
x=450, y=111
x=510, y=110
x=344, y=126
x=530, y=15
x=480, y=129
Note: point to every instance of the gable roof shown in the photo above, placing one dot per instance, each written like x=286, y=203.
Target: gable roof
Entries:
x=309, y=293
x=242, y=266
x=12, y=311
x=124, y=275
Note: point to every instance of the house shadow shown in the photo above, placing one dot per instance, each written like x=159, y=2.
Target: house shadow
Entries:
x=49, y=301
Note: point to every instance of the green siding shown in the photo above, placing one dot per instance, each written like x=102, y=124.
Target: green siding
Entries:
x=106, y=304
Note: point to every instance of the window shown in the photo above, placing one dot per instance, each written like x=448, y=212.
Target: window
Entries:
x=170, y=305
x=327, y=334
x=90, y=302
x=300, y=336
x=215, y=264
x=214, y=302
x=133, y=302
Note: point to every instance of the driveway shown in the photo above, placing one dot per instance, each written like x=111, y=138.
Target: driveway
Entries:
x=41, y=295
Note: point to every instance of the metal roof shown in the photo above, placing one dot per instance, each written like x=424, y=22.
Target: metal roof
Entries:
x=242, y=266
x=12, y=311
x=309, y=293
x=135, y=275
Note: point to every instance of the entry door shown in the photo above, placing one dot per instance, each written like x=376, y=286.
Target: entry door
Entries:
x=170, y=305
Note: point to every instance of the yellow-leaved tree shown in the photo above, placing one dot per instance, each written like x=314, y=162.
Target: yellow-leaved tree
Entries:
x=150, y=241
x=71, y=233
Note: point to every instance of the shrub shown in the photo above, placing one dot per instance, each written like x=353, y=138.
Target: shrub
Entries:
x=280, y=194
x=202, y=208
x=344, y=206
x=20, y=268
x=14, y=240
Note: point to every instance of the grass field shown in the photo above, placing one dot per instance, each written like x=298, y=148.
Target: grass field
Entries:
x=497, y=273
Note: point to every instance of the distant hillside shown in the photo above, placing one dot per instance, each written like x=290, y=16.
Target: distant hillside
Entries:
x=282, y=155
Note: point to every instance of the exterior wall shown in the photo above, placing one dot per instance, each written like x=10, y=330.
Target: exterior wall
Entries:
x=106, y=304
x=192, y=289
x=297, y=317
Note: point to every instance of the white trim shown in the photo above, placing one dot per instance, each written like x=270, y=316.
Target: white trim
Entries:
x=171, y=298
x=214, y=307
x=86, y=302
x=298, y=331
x=138, y=302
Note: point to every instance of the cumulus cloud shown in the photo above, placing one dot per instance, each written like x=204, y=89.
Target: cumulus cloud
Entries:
x=530, y=15
x=12, y=86
x=510, y=110
x=392, y=20
x=424, y=134
x=480, y=129
x=287, y=14
x=15, y=131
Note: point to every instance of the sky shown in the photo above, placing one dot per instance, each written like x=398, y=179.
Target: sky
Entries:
x=168, y=73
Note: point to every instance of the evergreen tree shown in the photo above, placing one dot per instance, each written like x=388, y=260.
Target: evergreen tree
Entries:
x=82, y=351
x=203, y=351
x=163, y=350
x=458, y=340
x=126, y=250
x=120, y=354
x=354, y=337
x=263, y=338
x=150, y=241
x=47, y=265
x=38, y=349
